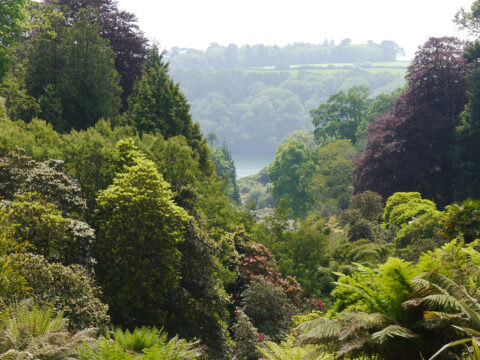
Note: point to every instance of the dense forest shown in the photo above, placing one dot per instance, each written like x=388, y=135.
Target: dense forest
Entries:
x=124, y=233
x=232, y=56
x=252, y=103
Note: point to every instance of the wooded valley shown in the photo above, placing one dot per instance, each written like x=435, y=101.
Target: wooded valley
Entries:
x=125, y=233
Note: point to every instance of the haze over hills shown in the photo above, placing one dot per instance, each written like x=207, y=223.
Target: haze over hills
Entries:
x=254, y=96
x=120, y=215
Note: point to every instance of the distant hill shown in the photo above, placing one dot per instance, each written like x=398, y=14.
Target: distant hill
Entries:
x=254, y=107
x=232, y=56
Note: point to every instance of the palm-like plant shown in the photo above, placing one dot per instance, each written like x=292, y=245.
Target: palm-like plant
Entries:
x=405, y=311
x=144, y=343
x=360, y=334
x=31, y=332
x=449, y=304
x=473, y=350
x=371, y=320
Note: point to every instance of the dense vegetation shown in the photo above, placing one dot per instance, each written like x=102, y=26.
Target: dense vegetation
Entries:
x=253, y=109
x=124, y=235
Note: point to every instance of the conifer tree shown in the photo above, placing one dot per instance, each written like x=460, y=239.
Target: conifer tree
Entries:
x=158, y=105
x=139, y=230
x=122, y=32
x=70, y=70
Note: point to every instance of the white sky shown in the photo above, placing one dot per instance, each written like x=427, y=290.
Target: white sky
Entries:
x=197, y=23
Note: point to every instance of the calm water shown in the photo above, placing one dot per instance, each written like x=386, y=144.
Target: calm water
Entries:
x=250, y=165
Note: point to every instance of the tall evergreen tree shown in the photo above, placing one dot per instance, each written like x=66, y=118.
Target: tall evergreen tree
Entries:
x=71, y=71
x=158, y=105
x=121, y=30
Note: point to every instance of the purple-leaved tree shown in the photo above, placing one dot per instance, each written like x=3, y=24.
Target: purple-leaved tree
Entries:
x=408, y=146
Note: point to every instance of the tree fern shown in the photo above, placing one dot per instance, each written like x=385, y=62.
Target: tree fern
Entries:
x=140, y=339
x=370, y=319
x=383, y=289
x=443, y=296
x=34, y=333
x=319, y=331
x=175, y=349
x=393, y=331
x=141, y=344
x=448, y=302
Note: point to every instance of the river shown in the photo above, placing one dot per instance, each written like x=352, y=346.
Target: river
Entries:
x=250, y=165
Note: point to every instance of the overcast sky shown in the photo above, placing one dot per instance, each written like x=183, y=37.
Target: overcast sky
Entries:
x=197, y=23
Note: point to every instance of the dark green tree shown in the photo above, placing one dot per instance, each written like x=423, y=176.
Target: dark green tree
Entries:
x=466, y=150
x=70, y=69
x=197, y=307
x=268, y=308
x=121, y=30
x=246, y=337
x=158, y=105
x=363, y=216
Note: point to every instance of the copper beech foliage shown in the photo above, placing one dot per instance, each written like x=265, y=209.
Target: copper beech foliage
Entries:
x=408, y=146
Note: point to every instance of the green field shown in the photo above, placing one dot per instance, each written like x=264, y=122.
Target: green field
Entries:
x=396, y=67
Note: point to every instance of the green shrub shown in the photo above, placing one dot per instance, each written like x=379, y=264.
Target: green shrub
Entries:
x=69, y=289
x=246, y=337
x=43, y=225
x=268, y=308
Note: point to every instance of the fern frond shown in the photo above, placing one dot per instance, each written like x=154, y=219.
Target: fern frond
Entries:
x=140, y=338
x=440, y=315
x=354, y=323
x=324, y=331
x=391, y=332
x=287, y=351
x=443, y=301
x=353, y=346
x=31, y=332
